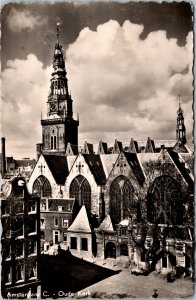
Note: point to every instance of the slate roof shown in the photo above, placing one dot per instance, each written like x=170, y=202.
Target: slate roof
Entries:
x=58, y=166
x=106, y=225
x=135, y=166
x=81, y=222
x=95, y=165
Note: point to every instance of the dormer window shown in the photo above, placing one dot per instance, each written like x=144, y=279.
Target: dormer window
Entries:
x=60, y=208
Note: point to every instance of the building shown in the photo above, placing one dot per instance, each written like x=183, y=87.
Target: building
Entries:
x=13, y=167
x=56, y=215
x=20, y=240
x=122, y=186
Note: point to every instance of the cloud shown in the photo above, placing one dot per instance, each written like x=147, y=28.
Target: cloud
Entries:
x=128, y=87
x=24, y=93
x=121, y=86
x=19, y=20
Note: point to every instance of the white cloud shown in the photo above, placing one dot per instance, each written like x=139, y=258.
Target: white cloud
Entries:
x=19, y=20
x=122, y=84
x=25, y=84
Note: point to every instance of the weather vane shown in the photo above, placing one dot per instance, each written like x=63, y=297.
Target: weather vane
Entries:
x=57, y=32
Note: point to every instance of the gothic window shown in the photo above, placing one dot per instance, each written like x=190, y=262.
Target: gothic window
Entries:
x=164, y=201
x=121, y=198
x=80, y=190
x=42, y=187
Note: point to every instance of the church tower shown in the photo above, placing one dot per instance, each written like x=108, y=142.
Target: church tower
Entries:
x=180, y=128
x=59, y=128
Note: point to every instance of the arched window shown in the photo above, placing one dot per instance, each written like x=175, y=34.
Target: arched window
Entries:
x=121, y=198
x=51, y=142
x=80, y=190
x=164, y=202
x=42, y=187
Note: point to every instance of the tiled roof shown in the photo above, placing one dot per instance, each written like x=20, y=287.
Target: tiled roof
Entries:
x=58, y=167
x=81, y=222
x=96, y=167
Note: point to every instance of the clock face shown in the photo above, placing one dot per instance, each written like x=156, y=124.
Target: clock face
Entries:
x=53, y=106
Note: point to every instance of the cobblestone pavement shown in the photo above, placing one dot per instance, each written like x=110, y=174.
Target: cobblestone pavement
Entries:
x=126, y=285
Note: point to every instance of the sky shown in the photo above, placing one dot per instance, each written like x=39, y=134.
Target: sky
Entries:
x=126, y=65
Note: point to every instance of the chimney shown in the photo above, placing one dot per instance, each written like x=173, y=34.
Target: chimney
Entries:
x=3, y=166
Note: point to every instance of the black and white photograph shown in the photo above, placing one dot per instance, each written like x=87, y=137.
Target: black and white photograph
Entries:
x=97, y=150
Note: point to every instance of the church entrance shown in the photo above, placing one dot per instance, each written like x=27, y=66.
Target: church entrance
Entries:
x=110, y=250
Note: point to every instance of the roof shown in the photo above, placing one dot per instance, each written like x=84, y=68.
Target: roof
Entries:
x=124, y=222
x=95, y=165
x=102, y=148
x=106, y=225
x=108, y=161
x=71, y=149
x=88, y=148
x=81, y=222
x=135, y=166
x=118, y=147
x=67, y=204
x=58, y=166
x=25, y=162
x=182, y=168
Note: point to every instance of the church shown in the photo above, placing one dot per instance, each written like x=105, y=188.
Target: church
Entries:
x=108, y=201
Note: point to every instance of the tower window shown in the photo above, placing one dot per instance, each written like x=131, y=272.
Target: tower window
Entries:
x=51, y=142
x=54, y=142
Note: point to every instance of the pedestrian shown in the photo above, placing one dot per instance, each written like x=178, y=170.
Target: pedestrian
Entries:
x=155, y=295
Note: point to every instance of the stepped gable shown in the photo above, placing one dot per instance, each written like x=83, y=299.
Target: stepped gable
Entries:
x=95, y=165
x=106, y=225
x=180, y=164
x=58, y=167
x=135, y=166
x=81, y=222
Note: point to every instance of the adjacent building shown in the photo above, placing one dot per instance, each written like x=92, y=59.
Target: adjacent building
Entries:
x=20, y=213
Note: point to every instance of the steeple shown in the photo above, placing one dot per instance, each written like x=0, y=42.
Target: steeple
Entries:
x=59, y=128
x=59, y=100
x=180, y=128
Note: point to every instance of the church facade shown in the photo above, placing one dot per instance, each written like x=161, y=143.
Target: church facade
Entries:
x=126, y=193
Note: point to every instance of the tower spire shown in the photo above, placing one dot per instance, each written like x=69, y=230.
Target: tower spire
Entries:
x=180, y=128
x=57, y=32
